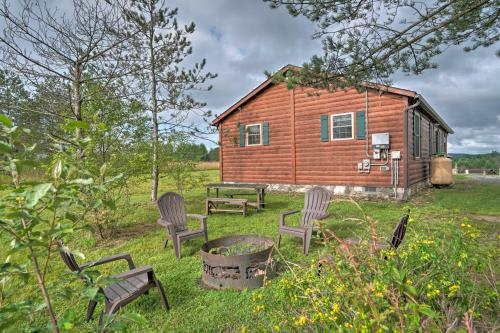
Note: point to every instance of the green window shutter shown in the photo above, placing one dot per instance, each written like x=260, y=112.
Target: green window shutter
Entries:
x=242, y=135
x=324, y=128
x=360, y=125
x=265, y=133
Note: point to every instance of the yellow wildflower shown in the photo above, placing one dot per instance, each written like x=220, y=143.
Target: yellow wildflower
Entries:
x=453, y=289
x=258, y=308
x=301, y=321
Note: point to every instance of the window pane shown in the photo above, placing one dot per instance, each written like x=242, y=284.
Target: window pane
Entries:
x=342, y=126
x=254, y=129
x=253, y=134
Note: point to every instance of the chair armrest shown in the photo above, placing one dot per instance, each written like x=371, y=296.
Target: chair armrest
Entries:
x=285, y=214
x=105, y=260
x=134, y=272
x=202, y=218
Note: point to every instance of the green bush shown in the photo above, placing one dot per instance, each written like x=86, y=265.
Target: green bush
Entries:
x=428, y=284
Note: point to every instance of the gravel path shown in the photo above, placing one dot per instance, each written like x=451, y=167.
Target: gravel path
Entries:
x=485, y=179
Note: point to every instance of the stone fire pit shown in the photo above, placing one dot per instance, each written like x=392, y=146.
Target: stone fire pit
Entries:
x=236, y=262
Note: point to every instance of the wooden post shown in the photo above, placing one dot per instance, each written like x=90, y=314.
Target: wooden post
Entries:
x=258, y=198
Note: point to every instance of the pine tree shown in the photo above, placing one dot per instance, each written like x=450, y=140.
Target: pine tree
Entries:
x=157, y=53
x=371, y=40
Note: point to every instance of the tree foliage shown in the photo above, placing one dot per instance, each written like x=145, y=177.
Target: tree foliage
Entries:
x=34, y=215
x=157, y=53
x=371, y=40
x=61, y=55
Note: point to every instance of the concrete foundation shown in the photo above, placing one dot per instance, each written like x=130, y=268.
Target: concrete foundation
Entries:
x=342, y=190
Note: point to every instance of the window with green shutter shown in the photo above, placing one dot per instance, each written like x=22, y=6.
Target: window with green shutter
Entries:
x=265, y=133
x=342, y=126
x=254, y=134
x=242, y=135
x=324, y=128
x=360, y=125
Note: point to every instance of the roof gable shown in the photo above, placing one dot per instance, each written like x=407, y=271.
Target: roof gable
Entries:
x=379, y=87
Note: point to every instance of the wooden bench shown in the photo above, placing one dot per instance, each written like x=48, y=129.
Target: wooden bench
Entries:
x=212, y=204
x=234, y=194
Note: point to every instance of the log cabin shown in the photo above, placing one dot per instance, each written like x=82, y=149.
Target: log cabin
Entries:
x=375, y=141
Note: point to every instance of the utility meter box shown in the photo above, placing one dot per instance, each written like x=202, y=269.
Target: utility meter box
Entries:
x=396, y=154
x=380, y=140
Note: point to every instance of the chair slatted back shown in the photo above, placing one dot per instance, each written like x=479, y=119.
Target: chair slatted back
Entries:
x=68, y=258
x=316, y=203
x=171, y=206
x=399, y=232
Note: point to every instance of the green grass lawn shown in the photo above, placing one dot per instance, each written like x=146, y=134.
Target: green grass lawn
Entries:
x=195, y=309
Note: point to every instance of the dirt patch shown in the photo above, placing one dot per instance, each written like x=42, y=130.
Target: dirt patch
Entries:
x=128, y=232
x=486, y=218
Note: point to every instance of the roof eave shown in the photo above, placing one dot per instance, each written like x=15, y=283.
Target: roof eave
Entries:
x=433, y=113
x=248, y=96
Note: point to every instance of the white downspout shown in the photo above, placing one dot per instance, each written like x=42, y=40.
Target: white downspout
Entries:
x=366, y=124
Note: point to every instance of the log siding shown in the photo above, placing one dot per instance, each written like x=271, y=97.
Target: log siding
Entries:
x=295, y=153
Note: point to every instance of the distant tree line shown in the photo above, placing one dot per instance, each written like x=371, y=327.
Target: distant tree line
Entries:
x=486, y=161
x=197, y=152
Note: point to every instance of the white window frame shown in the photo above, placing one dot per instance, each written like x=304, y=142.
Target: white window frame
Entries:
x=260, y=135
x=352, y=126
x=419, y=155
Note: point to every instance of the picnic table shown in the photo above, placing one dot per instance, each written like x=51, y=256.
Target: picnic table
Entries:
x=252, y=189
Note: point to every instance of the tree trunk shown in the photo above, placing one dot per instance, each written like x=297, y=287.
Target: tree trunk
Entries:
x=46, y=298
x=155, y=173
x=76, y=101
x=154, y=114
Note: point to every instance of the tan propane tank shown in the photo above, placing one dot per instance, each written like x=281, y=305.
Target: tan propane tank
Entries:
x=441, y=171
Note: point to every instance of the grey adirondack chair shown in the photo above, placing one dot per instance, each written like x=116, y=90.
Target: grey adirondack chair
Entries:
x=173, y=217
x=133, y=283
x=396, y=237
x=316, y=202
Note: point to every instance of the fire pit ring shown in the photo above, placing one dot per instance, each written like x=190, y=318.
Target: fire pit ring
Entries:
x=237, y=262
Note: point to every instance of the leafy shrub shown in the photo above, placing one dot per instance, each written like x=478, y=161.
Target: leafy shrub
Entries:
x=428, y=284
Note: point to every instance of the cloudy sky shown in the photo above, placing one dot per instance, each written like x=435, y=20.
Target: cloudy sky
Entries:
x=242, y=38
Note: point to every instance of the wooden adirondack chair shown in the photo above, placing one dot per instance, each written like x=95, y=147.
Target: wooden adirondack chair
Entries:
x=316, y=202
x=173, y=217
x=134, y=283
